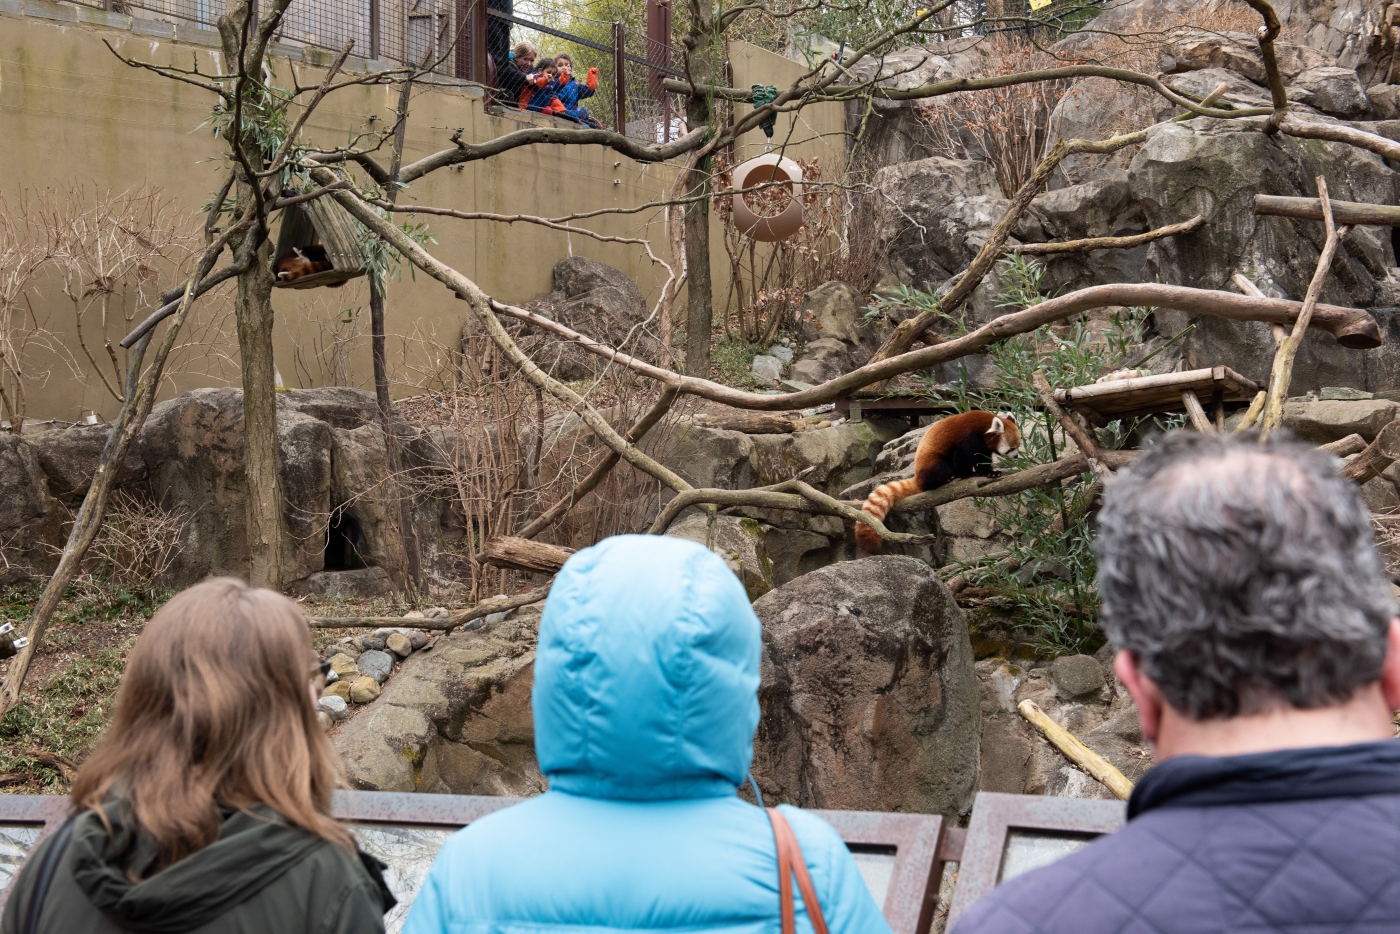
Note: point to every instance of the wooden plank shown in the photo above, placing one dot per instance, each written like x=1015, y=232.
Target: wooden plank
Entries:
x=1147, y=395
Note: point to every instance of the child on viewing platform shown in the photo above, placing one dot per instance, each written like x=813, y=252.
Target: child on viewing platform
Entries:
x=541, y=91
x=570, y=92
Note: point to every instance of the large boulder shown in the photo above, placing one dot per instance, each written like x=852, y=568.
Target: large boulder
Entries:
x=739, y=541
x=925, y=213
x=1332, y=90
x=31, y=521
x=868, y=696
x=455, y=719
x=596, y=300
x=836, y=311
x=1201, y=49
x=839, y=455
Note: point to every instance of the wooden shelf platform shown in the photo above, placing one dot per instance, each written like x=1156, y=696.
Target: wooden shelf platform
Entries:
x=1101, y=403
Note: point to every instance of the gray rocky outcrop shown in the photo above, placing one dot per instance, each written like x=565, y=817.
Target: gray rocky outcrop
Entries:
x=1215, y=168
x=868, y=696
x=596, y=300
x=739, y=541
x=454, y=719
x=1332, y=90
x=836, y=311
x=188, y=458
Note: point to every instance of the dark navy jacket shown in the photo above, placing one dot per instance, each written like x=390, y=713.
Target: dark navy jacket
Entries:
x=1301, y=841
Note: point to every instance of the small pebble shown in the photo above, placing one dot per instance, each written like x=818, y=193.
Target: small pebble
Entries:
x=414, y=614
x=364, y=690
x=340, y=689
x=335, y=706
x=436, y=612
x=417, y=638
x=399, y=644
x=346, y=648
x=343, y=664
x=373, y=640
x=324, y=719
x=377, y=665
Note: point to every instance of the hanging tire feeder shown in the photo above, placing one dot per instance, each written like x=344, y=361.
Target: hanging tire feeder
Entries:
x=762, y=170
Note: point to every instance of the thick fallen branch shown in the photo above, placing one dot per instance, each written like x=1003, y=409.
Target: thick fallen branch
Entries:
x=521, y=554
x=1375, y=457
x=556, y=512
x=1111, y=243
x=1338, y=133
x=1273, y=77
x=1352, y=327
x=478, y=611
x=1353, y=213
x=1075, y=751
x=1282, y=373
x=1351, y=444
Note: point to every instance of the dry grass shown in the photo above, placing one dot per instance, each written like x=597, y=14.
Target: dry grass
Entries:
x=138, y=542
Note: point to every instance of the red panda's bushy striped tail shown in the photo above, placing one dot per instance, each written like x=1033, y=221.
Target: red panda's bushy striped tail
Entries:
x=878, y=504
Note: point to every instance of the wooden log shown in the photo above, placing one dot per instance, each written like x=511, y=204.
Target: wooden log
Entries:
x=1376, y=457
x=1075, y=751
x=1341, y=134
x=523, y=554
x=1351, y=444
x=1197, y=413
x=1343, y=212
x=750, y=423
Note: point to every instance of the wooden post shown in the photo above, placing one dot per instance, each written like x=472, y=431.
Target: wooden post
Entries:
x=619, y=82
x=374, y=29
x=659, y=51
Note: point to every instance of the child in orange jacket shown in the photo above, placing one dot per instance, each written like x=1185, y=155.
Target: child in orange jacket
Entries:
x=541, y=91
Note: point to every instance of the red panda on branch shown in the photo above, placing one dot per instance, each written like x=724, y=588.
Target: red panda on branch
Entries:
x=953, y=447
x=308, y=262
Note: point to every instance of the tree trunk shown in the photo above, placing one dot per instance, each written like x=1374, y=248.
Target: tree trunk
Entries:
x=699, y=319
x=267, y=536
x=412, y=569
x=702, y=51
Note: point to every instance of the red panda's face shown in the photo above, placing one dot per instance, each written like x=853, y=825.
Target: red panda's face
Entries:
x=1004, y=437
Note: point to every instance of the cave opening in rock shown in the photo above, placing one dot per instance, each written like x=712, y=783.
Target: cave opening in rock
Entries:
x=345, y=542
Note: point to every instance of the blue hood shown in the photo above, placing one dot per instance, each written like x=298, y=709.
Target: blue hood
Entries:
x=646, y=677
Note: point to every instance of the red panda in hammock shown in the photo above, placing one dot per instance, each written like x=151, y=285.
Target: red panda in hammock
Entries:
x=953, y=447
x=306, y=262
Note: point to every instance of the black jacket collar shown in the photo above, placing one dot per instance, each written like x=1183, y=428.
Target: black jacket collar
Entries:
x=1285, y=775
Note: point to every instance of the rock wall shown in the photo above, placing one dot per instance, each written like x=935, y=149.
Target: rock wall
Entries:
x=188, y=458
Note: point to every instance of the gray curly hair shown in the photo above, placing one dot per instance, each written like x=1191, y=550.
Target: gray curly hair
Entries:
x=1243, y=575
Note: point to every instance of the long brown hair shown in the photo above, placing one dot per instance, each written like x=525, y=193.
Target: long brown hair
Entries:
x=215, y=711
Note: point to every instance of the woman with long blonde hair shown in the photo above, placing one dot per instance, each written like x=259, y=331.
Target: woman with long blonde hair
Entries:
x=207, y=805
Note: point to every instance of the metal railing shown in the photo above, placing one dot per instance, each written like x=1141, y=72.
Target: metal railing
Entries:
x=632, y=63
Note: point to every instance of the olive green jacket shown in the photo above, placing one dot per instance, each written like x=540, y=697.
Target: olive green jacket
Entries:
x=261, y=876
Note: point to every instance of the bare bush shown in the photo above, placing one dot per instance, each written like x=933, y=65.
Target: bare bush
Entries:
x=502, y=453
x=1007, y=127
x=28, y=346
x=139, y=541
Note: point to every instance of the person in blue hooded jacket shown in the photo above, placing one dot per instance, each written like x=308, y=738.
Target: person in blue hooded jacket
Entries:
x=645, y=704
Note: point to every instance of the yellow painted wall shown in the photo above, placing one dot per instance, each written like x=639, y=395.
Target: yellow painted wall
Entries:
x=76, y=116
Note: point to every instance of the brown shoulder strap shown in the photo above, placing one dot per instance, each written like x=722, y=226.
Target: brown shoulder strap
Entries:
x=790, y=863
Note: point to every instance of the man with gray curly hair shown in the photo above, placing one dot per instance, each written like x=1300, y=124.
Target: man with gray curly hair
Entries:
x=1255, y=630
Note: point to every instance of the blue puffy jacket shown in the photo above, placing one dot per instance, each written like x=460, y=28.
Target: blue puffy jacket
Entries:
x=645, y=704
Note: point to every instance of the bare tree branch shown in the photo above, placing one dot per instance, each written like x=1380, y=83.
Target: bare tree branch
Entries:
x=1110, y=243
